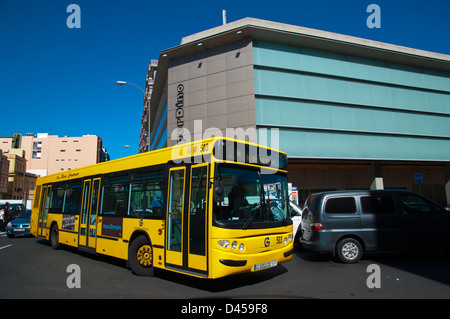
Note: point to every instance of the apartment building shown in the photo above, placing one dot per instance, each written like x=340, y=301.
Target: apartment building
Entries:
x=47, y=154
x=20, y=182
x=4, y=165
x=144, y=135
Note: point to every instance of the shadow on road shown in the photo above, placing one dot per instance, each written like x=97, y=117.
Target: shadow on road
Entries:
x=222, y=284
x=216, y=285
x=425, y=263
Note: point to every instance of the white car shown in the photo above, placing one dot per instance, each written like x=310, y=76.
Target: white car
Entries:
x=296, y=216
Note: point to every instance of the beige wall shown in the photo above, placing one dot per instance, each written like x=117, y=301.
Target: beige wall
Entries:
x=57, y=154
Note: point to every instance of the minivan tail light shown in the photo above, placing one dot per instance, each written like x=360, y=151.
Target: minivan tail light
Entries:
x=316, y=226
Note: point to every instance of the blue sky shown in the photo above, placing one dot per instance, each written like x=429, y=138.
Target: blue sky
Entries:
x=58, y=80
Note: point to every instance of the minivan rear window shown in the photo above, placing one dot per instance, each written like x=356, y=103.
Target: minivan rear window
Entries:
x=378, y=204
x=311, y=203
x=340, y=205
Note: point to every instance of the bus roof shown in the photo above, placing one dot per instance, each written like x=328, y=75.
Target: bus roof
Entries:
x=162, y=156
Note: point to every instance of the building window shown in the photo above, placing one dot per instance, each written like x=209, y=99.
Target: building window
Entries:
x=36, y=155
x=340, y=205
x=37, y=146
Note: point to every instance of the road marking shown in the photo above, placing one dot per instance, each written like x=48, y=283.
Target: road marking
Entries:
x=5, y=246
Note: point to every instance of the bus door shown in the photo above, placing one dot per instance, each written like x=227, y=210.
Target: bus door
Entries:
x=89, y=212
x=42, y=230
x=186, y=218
x=197, y=217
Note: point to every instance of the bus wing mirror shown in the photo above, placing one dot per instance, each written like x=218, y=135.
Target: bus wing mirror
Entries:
x=218, y=191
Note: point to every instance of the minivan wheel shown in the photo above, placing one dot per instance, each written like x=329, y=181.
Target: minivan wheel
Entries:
x=349, y=251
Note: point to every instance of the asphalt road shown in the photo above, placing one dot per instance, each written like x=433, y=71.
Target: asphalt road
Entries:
x=29, y=268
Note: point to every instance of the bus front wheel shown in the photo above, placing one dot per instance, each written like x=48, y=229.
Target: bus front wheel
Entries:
x=140, y=257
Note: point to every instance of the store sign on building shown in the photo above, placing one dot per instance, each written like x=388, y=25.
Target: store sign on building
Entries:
x=418, y=178
x=179, y=112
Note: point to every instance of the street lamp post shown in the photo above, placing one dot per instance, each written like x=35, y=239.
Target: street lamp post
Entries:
x=119, y=83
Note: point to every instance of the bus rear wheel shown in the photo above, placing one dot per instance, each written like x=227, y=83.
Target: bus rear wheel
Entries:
x=54, y=237
x=140, y=257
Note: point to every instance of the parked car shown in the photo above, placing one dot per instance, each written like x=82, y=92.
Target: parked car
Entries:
x=348, y=223
x=20, y=225
x=14, y=210
x=296, y=217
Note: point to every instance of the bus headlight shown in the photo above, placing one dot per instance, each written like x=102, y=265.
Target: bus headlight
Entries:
x=234, y=245
x=241, y=247
x=224, y=244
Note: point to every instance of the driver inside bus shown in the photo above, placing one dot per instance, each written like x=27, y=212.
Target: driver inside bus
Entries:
x=236, y=197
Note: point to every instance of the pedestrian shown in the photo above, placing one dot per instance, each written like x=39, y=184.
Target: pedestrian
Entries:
x=5, y=215
x=2, y=222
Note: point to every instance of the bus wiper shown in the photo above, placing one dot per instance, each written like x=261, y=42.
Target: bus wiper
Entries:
x=283, y=218
x=261, y=201
x=250, y=219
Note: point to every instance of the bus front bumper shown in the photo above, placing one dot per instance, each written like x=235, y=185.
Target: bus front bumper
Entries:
x=228, y=263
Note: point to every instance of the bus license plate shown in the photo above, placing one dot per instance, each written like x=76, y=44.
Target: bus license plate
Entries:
x=265, y=265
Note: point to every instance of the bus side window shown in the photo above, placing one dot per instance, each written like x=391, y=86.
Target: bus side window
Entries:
x=146, y=199
x=37, y=196
x=56, y=203
x=115, y=199
x=72, y=199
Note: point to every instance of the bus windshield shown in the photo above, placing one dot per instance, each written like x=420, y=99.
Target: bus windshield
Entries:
x=251, y=199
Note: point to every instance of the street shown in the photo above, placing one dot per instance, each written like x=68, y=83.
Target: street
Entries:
x=31, y=269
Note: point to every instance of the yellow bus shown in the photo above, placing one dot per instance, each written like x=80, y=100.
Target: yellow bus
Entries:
x=209, y=209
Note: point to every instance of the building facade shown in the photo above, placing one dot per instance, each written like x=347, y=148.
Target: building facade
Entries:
x=20, y=182
x=144, y=135
x=47, y=154
x=350, y=113
x=4, y=166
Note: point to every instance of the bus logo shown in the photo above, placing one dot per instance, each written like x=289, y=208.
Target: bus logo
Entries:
x=267, y=242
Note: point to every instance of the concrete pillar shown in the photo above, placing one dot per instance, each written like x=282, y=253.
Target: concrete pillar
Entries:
x=447, y=185
x=447, y=192
x=377, y=182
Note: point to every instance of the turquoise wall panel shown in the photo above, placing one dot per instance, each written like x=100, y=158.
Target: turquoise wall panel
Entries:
x=309, y=60
x=330, y=105
x=317, y=144
x=304, y=114
x=297, y=85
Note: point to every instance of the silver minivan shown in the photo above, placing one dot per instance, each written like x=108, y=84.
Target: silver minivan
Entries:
x=347, y=223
